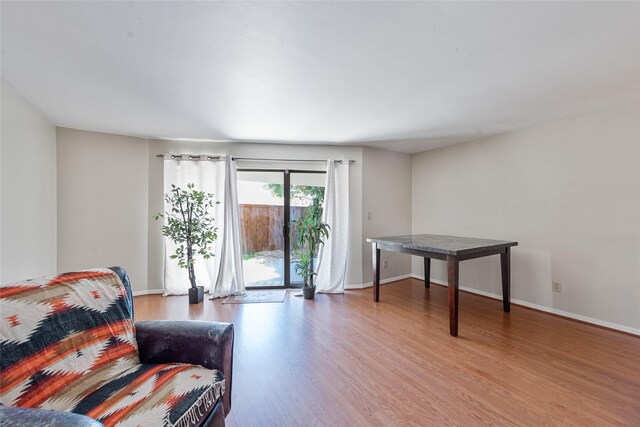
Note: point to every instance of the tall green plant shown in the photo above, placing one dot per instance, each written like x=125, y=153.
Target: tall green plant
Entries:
x=189, y=225
x=309, y=232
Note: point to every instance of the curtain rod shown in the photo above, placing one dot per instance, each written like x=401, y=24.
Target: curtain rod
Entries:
x=217, y=158
x=190, y=157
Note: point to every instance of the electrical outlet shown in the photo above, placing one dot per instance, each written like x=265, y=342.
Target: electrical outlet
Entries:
x=368, y=216
x=556, y=286
x=385, y=263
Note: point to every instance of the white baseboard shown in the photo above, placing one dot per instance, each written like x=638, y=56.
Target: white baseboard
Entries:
x=606, y=324
x=546, y=309
x=382, y=282
x=148, y=292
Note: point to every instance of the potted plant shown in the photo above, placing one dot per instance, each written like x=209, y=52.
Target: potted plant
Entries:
x=190, y=226
x=309, y=232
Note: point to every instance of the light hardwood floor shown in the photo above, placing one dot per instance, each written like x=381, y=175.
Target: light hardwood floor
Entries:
x=343, y=360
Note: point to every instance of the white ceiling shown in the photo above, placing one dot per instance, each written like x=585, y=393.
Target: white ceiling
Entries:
x=401, y=76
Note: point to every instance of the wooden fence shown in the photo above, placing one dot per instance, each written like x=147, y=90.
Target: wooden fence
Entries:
x=262, y=226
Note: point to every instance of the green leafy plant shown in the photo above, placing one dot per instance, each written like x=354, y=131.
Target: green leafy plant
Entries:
x=302, y=266
x=189, y=225
x=308, y=232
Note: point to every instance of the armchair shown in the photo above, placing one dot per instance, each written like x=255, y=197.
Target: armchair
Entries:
x=166, y=372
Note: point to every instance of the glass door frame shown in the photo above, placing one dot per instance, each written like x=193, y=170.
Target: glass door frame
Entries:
x=287, y=218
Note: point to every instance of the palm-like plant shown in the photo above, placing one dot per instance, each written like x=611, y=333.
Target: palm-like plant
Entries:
x=189, y=226
x=303, y=266
x=309, y=232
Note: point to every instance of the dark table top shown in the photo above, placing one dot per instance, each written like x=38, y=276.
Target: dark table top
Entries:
x=448, y=245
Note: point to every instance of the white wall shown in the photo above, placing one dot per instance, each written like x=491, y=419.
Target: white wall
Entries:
x=28, y=187
x=155, y=250
x=568, y=192
x=386, y=194
x=103, y=202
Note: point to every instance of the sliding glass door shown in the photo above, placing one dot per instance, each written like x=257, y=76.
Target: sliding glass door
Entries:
x=262, y=223
x=269, y=200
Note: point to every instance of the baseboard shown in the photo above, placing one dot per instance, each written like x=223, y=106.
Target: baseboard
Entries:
x=382, y=282
x=148, y=292
x=555, y=311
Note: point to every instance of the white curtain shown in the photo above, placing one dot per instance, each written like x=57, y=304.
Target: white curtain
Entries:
x=230, y=279
x=332, y=260
x=206, y=176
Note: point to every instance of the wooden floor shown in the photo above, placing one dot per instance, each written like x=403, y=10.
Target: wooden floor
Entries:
x=343, y=360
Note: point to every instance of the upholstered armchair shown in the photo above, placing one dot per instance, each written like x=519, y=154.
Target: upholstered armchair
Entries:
x=72, y=355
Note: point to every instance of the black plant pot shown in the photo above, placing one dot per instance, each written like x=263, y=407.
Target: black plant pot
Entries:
x=309, y=293
x=196, y=295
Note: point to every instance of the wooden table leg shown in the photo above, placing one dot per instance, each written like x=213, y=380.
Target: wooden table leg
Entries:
x=427, y=272
x=375, y=253
x=453, y=273
x=505, y=264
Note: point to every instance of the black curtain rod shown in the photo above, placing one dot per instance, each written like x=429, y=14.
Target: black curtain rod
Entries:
x=217, y=158
x=191, y=157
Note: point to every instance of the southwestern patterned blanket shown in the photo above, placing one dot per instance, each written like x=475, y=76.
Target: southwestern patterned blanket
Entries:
x=67, y=343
